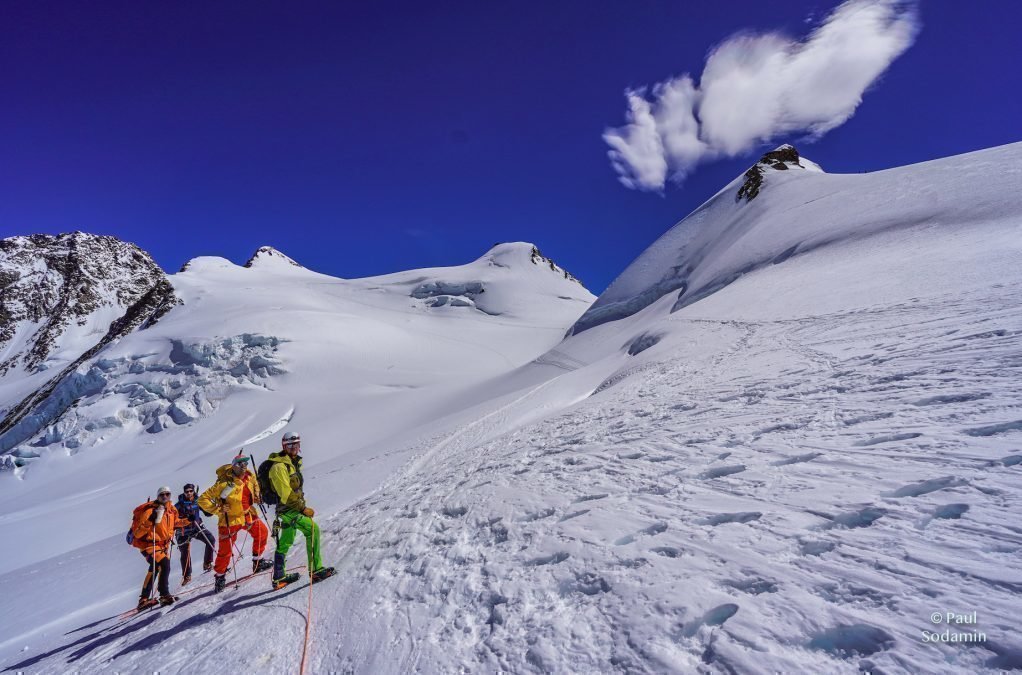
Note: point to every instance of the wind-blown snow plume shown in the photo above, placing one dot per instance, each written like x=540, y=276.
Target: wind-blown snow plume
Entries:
x=757, y=87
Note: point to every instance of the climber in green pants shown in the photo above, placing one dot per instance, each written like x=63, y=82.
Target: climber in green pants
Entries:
x=290, y=524
x=282, y=474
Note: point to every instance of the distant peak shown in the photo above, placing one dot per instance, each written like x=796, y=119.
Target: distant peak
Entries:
x=269, y=255
x=507, y=254
x=510, y=248
x=782, y=158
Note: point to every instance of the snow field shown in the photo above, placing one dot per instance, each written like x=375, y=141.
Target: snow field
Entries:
x=712, y=513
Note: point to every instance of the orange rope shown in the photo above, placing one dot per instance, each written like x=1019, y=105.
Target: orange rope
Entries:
x=308, y=623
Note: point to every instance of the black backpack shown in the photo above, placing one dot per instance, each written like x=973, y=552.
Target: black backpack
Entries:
x=265, y=486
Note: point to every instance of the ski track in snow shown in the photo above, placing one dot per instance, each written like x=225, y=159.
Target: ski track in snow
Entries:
x=700, y=518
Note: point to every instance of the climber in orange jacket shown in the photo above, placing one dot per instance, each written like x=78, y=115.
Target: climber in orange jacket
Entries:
x=233, y=497
x=152, y=529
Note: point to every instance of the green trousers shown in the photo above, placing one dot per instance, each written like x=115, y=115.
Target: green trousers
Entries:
x=290, y=523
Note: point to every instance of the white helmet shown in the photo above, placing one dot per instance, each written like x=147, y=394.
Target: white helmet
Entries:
x=290, y=438
x=164, y=490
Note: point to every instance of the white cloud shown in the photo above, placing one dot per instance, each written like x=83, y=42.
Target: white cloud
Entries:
x=637, y=152
x=757, y=87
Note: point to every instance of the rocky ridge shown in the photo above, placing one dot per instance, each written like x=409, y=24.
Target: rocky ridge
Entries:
x=51, y=286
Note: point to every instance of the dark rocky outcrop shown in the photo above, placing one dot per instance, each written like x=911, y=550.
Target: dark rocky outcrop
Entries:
x=783, y=158
x=266, y=253
x=539, y=259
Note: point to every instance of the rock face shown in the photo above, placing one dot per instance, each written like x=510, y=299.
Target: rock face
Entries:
x=73, y=294
x=539, y=259
x=783, y=158
x=53, y=287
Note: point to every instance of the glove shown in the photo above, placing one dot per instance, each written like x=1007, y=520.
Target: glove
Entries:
x=208, y=514
x=227, y=491
x=158, y=514
x=307, y=511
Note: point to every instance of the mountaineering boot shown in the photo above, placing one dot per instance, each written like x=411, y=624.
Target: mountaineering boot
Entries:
x=185, y=580
x=167, y=600
x=281, y=582
x=260, y=565
x=322, y=573
x=146, y=603
x=207, y=567
x=219, y=582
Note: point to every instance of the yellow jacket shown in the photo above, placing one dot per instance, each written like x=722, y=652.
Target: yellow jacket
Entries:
x=239, y=506
x=287, y=481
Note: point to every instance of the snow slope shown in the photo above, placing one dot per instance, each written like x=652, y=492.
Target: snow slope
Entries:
x=790, y=474
x=802, y=209
x=349, y=362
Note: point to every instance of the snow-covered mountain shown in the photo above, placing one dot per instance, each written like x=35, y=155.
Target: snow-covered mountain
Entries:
x=251, y=348
x=58, y=297
x=782, y=439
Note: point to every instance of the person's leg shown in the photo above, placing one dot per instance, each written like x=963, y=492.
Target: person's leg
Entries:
x=224, y=553
x=311, y=531
x=147, y=584
x=163, y=569
x=284, y=542
x=186, y=557
x=260, y=534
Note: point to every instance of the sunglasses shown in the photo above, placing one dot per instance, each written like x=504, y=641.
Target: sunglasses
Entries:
x=163, y=494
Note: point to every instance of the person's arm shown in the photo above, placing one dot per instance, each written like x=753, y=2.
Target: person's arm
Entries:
x=182, y=520
x=208, y=500
x=257, y=496
x=169, y=524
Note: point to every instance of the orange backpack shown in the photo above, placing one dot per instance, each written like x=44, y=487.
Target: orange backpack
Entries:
x=138, y=519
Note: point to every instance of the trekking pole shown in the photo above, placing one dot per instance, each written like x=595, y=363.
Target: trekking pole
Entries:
x=275, y=526
x=170, y=559
x=152, y=577
x=260, y=502
x=203, y=532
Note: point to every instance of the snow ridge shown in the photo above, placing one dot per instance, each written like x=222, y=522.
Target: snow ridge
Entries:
x=786, y=213
x=54, y=289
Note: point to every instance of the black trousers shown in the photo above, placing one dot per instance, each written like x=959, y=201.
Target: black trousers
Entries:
x=184, y=544
x=162, y=574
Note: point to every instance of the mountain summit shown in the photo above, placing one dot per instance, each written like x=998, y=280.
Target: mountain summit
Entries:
x=267, y=255
x=782, y=159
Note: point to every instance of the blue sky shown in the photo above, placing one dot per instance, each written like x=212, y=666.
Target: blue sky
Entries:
x=365, y=138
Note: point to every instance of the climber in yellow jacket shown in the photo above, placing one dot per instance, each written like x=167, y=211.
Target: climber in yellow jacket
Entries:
x=233, y=497
x=287, y=484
